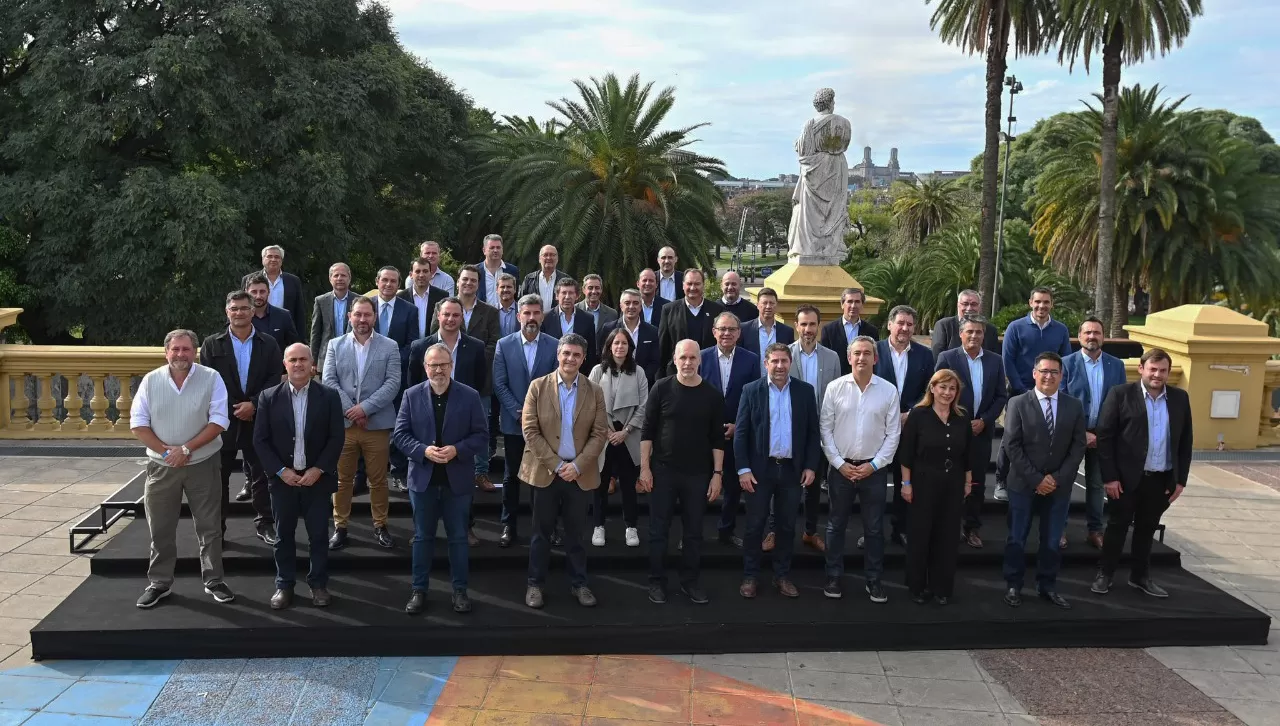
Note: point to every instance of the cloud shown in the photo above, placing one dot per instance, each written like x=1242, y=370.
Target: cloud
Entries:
x=750, y=68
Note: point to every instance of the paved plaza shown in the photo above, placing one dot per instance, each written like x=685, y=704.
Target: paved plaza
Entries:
x=1225, y=526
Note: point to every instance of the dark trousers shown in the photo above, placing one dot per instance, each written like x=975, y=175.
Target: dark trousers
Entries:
x=931, y=540
x=843, y=493
x=979, y=461
x=1094, y=494
x=1025, y=506
x=777, y=486
x=810, y=502
x=565, y=501
x=314, y=505
x=429, y=507
x=1142, y=507
x=731, y=494
x=495, y=413
x=253, y=472
x=513, y=447
x=617, y=463
x=899, y=510
x=690, y=491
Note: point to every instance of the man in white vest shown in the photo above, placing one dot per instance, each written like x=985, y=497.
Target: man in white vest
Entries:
x=179, y=414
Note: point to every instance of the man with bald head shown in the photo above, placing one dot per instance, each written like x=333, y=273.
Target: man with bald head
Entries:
x=650, y=301
x=298, y=434
x=542, y=282
x=733, y=301
x=670, y=280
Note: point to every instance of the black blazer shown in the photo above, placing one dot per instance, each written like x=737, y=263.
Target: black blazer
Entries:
x=530, y=286
x=470, y=369
x=833, y=337
x=434, y=296
x=919, y=371
x=658, y=303
x=646, y=352
x=946, y=335
x=674, y=327
x=274, y=426
x=995, y=393
x=265, y=363
x=677, y=276
x=1122, y=434
x=583, y=324
x=293, y=299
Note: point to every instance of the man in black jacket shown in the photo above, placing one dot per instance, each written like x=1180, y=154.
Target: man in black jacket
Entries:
x=691, y=317
x=285, y=289
x=946, y=332
x=249, y=361
x=838, y=333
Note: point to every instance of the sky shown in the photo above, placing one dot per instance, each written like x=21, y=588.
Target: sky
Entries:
x=748, y=69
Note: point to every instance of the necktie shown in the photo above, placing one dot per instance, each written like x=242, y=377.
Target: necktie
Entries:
x=1048, y=415
x=384, y=321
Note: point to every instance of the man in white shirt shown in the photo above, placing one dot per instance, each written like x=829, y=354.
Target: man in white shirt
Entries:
x=430, y=251
x=650, y=301
x=492, y=269
x=542, y=282
x=424, y=296
x=670, y=281
x=860, y=428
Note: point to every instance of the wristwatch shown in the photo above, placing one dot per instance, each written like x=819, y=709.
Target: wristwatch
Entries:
x=717, y=473
x=185, y=450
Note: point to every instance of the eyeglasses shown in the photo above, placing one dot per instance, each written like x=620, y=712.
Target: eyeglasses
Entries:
x=726, y=330
x=439, y=366
x=239, y=309
x=1049, y=372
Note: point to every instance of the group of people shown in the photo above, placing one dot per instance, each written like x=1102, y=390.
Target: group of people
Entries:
x=673, y=395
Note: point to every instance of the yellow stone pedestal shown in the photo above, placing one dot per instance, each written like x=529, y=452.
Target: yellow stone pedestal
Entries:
x=817, y=285
x=1220, y=351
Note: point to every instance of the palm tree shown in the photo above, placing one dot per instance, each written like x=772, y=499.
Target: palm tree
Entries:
x=1126, y=31
x=991, y=27
x=922, y=208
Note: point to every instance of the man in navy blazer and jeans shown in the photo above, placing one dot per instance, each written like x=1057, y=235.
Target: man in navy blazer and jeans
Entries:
x=728, y=367
x=441, y=428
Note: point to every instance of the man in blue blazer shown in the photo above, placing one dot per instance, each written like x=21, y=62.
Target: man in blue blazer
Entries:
x=650, y=301
x=396, y=319
x=778, y=449
x=909, y=366
x=565, y=317
x=519, y=359
x=765, y=330
x=441, y=428
x=728, y=368
x=644, y=335
x=1088, y=375
x=982, y=373
x=492, y=268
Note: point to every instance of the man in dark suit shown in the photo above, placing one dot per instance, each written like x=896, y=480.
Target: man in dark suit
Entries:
x=838, y=333
x=424, y=297
x=946, y=332
x=779, y=451
x=650, y=301
x=491, y=268
x=670, y=280
x=983, y=395
x=758, y=334
x=248, y=362
x=329, y=314
x=732, y=299
x=643, y=335
x=542, y=282
x=591, y=303
x=1144, y=449
x=566, y=318
x=1044, y=442
x=908, y=366
x=286, y=288
x=484, y=323
x=267, y=318
x=395, y=318
x=298, y=435
x=441, y=428
x=727, y=367
x=692, y=319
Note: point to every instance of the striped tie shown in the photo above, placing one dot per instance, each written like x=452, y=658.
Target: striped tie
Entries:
x=1048, y=415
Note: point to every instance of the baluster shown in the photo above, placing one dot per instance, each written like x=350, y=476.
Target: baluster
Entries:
x=46, y=404
x=1267, y=433
x=123, y=403
x=98, y=404
x=73, y=423
x=20, y=420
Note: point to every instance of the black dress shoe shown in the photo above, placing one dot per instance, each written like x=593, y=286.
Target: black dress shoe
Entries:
x=1055, y=598
x=417, y=602
x=282, y=599
x=339, y=538
x=1012, y=598
x=1101, y=584
x=266, y=532
x=1146, y=585
x=921, y=598
x=461, y=602
x=508, y=537
x=727, y=538
x=557, y=539
x=383, y=537
x=943, y=600
x=244, y=495
x=899, y=539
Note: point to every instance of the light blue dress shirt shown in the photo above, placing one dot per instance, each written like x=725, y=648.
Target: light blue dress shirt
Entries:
x=243, y=351
x=1093, y=371
x=1157, y=431
x=975, y=380
x=568, y=400
x=646, y=311
x=507, y=321
x=275, y=292
x=340, y=314
x=667, y=286
x=530, y=354
x=809, y=369
x=767, y=338
x=850, y=330
x=566, y=323
x=780, y=420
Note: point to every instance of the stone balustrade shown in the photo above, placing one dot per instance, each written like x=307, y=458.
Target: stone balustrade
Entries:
x=1268, y=430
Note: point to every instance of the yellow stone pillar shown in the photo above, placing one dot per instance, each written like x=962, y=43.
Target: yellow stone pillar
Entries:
x=817, y=285
x=1223, y=356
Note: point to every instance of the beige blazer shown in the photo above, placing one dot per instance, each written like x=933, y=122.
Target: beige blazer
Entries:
x=624, y=400
x=540, y=421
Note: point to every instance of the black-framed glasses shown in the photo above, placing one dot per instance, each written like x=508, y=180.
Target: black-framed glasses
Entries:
x=1052, y=373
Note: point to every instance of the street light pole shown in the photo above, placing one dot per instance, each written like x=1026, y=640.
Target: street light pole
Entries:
x=1014, y=88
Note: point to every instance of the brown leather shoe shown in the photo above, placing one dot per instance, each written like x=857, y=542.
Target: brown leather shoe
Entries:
x=770, y=541
x=972, y=539
x=748, y=588
x=786, y=588
x=282, y=599
x=1095, y=539
x=472, y=539
x=484, y=483
x=320, y=597
x=814, y=542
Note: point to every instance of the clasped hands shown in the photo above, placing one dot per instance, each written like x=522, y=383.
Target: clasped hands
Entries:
x=440, y=454
x=305, y=479
x=357, y=416
x=854, y=473
x=1047, y=485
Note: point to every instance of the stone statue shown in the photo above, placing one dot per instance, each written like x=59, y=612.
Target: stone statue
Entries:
x=820, y=204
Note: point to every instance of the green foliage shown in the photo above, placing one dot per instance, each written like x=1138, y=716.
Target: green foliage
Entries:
x=768, y=215
x=152, y=149
x=920, y=209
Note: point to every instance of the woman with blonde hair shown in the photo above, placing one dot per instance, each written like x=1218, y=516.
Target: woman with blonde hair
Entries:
x=934, y=454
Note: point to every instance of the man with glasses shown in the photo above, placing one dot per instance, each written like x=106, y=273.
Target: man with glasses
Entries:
x=728, y=368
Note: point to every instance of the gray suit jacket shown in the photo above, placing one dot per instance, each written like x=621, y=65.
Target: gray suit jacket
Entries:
x=828, y=367
x=607, y=315
x=1029, y=450
x=323, y=326
x=377, y=389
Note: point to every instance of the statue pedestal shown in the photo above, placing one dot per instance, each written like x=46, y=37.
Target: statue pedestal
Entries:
x=818, y=285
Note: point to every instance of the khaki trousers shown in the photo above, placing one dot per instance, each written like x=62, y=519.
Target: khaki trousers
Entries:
x=201, y=482
x=375, y=447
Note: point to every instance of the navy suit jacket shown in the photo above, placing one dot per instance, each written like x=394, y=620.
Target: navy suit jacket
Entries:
x=293, y=299
x=274, y=431
x=658, y=302
x=833, y=337
x=1075, y=381
x=511, y=376
x=583, y=324
x=403, y=329
x=994, y=393
x=744, y=369
x=471, y=368
x=919, y=371
x=750, y=336
x=465, y=428
x=483, y=290
x=751, y=434
x=646, y=352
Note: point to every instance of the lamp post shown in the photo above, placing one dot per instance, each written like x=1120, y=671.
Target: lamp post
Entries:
x=1015, y=87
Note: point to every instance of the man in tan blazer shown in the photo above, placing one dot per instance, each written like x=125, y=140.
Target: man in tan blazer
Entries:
x=565, y=432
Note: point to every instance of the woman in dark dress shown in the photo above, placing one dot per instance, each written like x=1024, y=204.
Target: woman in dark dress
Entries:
x=934, y=454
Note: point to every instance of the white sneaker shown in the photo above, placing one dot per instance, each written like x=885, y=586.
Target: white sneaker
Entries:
x=597, y=537
x=1002, y=494
x=633, y=537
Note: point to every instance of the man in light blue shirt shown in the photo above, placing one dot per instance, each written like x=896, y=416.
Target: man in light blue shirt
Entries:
x=568, y=399
x=1089, y=375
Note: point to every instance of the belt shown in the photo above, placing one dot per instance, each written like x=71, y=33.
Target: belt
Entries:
x=778, y=460
x=1157, y=473
x=858, y=462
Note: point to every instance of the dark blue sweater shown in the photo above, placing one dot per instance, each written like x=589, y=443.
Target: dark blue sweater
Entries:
x=1023, y=341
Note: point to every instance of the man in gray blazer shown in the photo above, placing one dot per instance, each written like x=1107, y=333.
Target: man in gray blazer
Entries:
x=593, y=289
x=364, y=367
x=1044, y=443
x=329, y=314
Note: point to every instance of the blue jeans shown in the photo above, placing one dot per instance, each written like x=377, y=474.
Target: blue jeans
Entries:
x=429, y=508
x=842, y=493
x=314, y=505
x=776, y=488
x=1023, y=507
x=482, y=460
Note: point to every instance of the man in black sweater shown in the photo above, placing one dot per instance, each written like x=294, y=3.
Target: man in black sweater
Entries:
x=684, y=438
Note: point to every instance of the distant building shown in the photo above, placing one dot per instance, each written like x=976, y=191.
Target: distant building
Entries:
x=866, y=175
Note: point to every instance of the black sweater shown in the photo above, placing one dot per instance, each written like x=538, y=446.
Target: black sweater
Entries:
x=684, y=423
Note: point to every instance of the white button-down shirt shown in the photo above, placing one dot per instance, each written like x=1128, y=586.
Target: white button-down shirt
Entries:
x=491, y=283
x=857, y=424
x=726, y=367
x=635, y=334
x=275, y=290
x=547, y=289
x=646, y=312
x=899, y=365
x=298, y=396
x=362, y=355
x=424, y=312
x=667, y=286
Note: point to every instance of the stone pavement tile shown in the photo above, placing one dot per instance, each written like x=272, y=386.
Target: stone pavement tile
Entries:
x=24, y=527
x=33, y=564
x=875, y=713
x=275, y=669
x=46, y=514
x=742, y=709
x=656, y=674
x=70, y=499
x=867, y=662
x=11, y=582
x=854, y=687
x=485, y=666
x=1219, y=658
x=72, y=670
x=1054, y=659
x=185, y=701
x=1240, y=686
x=740, y=679
x=410, y=688
x=550, y=669
x=1253, y=713
x=30, y=693
x=643, y=704
x=16, y=496
x=1255, y=583
x=77, y=567
x=13, y=717
x=1266, y=662
x=256, y=702
x=440, y=716
x=16, y=631
x=1004, y=699
x=202, y=667
x=55, y=585
x=524, y=696
x=1261, y=539
x=951, y=717
x=28, y=606
x=1270, y=600
x=954, y=665
x=507, y=718
x=464, y=691
x=935, y=693
x=78, y=719
x=98, y=698
x=146, y=672
x=10, y=542
x=748, y=660
x=440, y=665
x=46, y=544
x=334, y=702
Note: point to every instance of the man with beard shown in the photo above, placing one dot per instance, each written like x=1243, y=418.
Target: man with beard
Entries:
x=267, y=318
